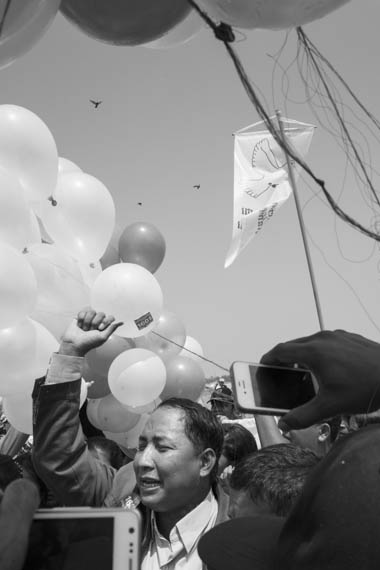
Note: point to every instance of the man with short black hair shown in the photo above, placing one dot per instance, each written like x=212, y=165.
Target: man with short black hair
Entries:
x=175, y=464
x=270, y=481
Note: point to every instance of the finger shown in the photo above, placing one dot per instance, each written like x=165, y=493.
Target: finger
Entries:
x=81, y=316
x=110, y=330
x=308, y=414
x=287, y=353
x=87, y=320
x=107, y=320
x=97, y=320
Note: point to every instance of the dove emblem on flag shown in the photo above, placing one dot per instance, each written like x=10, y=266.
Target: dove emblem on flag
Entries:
x=261, y=182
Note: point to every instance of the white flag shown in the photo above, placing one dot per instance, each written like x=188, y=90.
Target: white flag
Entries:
x=261, y=178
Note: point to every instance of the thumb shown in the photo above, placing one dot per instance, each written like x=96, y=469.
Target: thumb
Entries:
x=306, y=415
x=109, y=330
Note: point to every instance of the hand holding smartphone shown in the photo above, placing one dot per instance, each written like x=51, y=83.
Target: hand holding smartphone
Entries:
x=273, y=390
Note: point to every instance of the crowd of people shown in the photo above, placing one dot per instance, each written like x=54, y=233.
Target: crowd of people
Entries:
x=215, y=491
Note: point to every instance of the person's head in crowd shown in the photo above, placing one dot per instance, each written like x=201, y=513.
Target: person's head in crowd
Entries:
x=177, y=457
x=9, y=471
x=318, y=437
x=106, y=450
x=270, y=480
x=238, y=443
x=246, y=543
x=222, y=402
x=334, y=525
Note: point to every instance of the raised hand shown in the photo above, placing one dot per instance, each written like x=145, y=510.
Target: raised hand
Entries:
x=347, y=368
x=89, y=330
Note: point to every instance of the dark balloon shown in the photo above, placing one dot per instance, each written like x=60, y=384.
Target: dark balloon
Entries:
x=143, y=244
x=125, y=22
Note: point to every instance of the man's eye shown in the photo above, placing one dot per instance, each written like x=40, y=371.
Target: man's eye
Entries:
x=141, y=446
x=163, y=448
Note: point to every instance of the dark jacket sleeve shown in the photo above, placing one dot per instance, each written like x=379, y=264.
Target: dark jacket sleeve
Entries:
x=60, y=453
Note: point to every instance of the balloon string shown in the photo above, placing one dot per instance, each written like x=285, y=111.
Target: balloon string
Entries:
x=7, y=6
x=272, y=127
x=192, y=352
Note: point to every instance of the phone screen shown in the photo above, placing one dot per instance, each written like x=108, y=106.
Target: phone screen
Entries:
x=71, y=544
x=280, y=388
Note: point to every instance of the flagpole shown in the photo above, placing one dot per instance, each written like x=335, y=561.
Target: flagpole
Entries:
x=302, y=226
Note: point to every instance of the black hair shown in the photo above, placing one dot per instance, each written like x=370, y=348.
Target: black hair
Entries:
x=238, y=442
x=275, y=475
x=202, y=427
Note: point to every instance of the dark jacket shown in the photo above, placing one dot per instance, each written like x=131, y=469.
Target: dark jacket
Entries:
x=64, y=463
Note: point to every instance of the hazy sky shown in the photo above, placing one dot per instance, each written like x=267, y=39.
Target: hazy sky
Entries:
x=166, y=124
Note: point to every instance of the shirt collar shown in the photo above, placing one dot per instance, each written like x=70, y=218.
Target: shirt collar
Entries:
x=191, y=527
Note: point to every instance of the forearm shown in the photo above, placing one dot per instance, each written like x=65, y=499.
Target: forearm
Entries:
x=268, y=430
x=60, y=453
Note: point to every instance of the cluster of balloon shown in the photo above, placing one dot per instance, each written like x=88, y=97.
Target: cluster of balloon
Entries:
x=271, y=14
x=125, y=22
x=85, y=260
x=22, y=25
x=43, y=282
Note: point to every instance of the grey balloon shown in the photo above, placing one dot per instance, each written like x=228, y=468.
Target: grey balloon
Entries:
x=142, y=243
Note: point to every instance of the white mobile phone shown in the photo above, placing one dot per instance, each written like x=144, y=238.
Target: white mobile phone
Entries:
x=273, y=390
x=84, y=538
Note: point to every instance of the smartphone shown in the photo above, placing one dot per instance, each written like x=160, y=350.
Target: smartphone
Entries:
x=273, y=390
x=84, y=538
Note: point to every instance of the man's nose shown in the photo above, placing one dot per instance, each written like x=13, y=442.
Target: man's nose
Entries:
x=144, y=458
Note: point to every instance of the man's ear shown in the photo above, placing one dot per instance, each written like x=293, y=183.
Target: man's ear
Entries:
x=208, y=461
x=324, y=432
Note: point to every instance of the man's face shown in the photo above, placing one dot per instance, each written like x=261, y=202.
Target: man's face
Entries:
x=241, y=505
x=166, y=464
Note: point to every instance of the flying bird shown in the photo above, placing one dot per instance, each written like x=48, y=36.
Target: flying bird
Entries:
x=139, y=203
x=197, y=186
x=95, y=103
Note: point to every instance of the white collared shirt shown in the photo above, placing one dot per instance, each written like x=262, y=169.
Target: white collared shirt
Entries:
x=180, y=551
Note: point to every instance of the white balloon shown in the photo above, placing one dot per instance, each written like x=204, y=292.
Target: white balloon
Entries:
x=132, y=295
x=28, y=151
x=17, y=357
x=18, y=286
x=190, y=347
x=61, y=289
x=18, y=224
x=108, y=414
x=90, y=272
x=46, y=344
x=81, y=217
x=25, y=23
x=137, y=377
x=18, y=410
x=65, y=165
x=25, y=352
x=272, y=14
